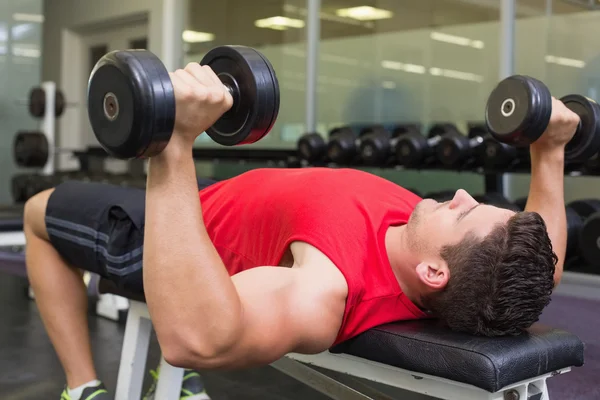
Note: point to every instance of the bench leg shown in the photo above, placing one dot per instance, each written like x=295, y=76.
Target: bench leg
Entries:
x=170, y=380
x=134, y=353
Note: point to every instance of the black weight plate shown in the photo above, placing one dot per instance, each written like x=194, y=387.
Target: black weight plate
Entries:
x=452, y=150
x=376, y=146
x=574, y=226
x=403, y=129
x=442, y=129
x=140, y=104
x=586, y=141
x=30, y=149
x=496, y=155
x=345, y=130
x=255, y=93
x=342, y=147
x=477, y=129
x=411, y=149
x=585, y=207
x=518, y=110
x=37, y=102
x=312, y=147
x=589, y=239
x=59, y=103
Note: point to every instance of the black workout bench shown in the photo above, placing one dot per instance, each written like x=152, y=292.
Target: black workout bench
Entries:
x=418, y=356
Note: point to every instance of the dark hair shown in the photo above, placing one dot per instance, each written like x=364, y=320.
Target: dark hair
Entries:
x=500, y=284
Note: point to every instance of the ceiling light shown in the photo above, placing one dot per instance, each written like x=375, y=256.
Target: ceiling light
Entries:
x=567, y=62
x=279, y=23
x=364, y=13
x=197, y=37
x=449, y=73
x=26, y=52
x=28, y=17
x=413, y=68
x=457, y=40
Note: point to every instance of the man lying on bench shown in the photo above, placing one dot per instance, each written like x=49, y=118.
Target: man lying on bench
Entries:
x=353, y=251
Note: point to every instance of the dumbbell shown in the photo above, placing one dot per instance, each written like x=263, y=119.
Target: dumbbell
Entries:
x=496, y=155
x=37, y=102
x=343, y=145
x=415, y=150
x=131, y=100
x=30, y=149
x=378, y=144
x=582, y=229
x=460, y=151
x=312, y=147
x=496, y=199
x=518, y=112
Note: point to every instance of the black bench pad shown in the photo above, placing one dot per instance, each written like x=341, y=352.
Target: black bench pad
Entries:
x=488, y=363
x=427, y=347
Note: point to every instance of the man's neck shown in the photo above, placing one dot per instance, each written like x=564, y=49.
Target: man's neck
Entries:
x=402, y=262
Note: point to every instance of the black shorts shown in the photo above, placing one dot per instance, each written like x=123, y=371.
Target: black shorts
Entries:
x=100, y=228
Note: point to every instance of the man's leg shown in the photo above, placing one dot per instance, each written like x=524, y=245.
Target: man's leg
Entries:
x=60, y=296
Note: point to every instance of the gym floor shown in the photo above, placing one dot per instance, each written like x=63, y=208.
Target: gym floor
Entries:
x=29, y=369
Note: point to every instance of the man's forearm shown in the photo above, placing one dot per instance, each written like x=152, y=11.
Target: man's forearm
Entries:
x=546, y=197
x=190, y=295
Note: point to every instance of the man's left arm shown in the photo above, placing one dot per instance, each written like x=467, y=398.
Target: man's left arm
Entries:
x=546, y=191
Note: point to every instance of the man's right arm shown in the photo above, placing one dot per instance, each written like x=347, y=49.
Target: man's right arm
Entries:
x=284, y=310
x=546, y=190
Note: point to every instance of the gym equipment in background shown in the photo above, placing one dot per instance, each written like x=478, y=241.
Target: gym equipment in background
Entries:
x=312, y=147
x=378, y=144
x=460, y=151
x=414, y=150
x=131, y=100
x=37, y=102
x=343, y=145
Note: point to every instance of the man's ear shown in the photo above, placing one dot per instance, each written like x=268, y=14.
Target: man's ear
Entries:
x=434, y=275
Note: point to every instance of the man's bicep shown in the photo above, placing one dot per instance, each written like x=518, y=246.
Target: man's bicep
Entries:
x=284, y=310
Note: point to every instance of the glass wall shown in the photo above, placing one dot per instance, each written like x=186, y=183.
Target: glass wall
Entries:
x=555, y=41
x=393, y=61
x=20, y=69
x=277, y=28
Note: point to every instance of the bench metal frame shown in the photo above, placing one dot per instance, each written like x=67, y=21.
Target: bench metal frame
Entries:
x=137, y=339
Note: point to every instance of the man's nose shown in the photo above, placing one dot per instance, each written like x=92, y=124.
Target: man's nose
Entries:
x=462, y=199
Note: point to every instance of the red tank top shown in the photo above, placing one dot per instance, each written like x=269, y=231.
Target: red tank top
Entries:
x=253, y=218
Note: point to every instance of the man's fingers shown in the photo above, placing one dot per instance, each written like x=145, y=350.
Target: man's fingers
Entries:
x=199, y=73
x=209, y=71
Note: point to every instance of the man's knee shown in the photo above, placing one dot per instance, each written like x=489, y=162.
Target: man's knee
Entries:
x=34, y=214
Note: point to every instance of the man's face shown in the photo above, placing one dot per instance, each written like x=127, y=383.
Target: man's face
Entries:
x=434, y=225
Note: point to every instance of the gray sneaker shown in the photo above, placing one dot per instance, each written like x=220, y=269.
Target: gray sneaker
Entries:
x=192, y=387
